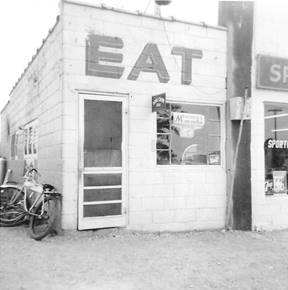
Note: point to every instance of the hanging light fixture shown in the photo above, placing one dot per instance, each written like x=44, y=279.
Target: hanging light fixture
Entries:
x=159, y=3
x=163, y=2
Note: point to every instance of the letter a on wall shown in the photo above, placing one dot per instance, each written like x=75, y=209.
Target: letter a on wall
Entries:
x=150, y=61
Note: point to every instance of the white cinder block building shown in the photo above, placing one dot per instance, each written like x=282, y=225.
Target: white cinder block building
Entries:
x=269, y=118
x=82, y=111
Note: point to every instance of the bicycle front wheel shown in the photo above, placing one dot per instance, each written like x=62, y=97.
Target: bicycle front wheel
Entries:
x=11, y=206
x=42, y=223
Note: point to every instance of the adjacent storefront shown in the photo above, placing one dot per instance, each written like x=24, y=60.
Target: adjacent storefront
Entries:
x=257, y=79
x=270, y=137
x=272, y=74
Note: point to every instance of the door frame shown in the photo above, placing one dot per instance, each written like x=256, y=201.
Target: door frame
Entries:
x=106, y=221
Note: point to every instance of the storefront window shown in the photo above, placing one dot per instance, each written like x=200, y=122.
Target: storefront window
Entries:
x=276, y=148
x=188, y=135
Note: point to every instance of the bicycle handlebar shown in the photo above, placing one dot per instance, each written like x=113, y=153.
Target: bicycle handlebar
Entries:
x=30, y=171
x=33, y=169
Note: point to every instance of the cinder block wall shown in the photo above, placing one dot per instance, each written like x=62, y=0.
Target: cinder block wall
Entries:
x=160, y=197
x=38, y=95
x=270, y=22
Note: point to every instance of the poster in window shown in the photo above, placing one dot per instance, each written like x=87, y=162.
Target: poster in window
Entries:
x=214, y=158
x=269, y=187
x=159, y=103
x=187, y=123
x=279, y=181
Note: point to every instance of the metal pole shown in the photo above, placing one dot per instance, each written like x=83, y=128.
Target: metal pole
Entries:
x=229, y=223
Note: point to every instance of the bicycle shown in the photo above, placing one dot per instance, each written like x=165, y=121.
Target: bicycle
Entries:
x=33, y=202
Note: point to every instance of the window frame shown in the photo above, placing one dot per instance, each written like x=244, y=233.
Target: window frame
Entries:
x=14, y=145
x=30, y=127
x=222, y=164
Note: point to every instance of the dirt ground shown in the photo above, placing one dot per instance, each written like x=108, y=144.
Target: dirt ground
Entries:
x=125, y=260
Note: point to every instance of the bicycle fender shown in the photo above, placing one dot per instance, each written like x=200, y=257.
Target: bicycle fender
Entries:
x=9, y=186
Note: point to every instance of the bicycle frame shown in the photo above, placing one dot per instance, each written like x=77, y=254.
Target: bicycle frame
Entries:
x=33, y=202
x=27, y=209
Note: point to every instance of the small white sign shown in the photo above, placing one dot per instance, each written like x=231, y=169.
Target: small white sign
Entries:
x=187, y=123
x=279, y=182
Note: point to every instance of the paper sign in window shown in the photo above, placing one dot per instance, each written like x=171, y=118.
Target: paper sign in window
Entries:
x=187, y=123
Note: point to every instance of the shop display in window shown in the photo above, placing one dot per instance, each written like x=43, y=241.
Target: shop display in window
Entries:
x=276, y=148
x=188, y=135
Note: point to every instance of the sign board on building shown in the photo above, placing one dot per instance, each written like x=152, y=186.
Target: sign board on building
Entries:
x=272, y=73
x=159, y=102
x=102, y=62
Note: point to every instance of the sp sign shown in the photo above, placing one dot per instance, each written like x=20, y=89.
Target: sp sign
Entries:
x=272, y=73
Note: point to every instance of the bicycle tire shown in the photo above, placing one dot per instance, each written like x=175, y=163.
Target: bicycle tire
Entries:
x=11, y=213
x=41, y=226
x=12, y=218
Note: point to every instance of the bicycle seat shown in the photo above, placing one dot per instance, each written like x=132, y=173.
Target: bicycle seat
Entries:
x=48, y=187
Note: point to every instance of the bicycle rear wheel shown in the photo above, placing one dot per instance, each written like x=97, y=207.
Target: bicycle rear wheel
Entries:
x=11, y=206
x=42, y=224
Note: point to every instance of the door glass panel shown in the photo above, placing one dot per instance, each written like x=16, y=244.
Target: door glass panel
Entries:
x=102, y=133
x=102, y=194
x=102, y=209
x=102, y=179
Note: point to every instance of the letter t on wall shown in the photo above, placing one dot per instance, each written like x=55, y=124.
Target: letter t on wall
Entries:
x=187, y=54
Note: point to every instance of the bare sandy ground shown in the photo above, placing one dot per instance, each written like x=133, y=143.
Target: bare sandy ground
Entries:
x=119, y=259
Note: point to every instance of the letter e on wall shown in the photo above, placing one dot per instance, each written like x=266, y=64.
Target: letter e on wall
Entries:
x=94, y=56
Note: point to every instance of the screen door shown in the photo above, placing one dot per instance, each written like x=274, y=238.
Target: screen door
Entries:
x=102, y=162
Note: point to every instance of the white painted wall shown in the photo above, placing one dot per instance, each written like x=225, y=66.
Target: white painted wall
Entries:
x=160, y=197
x=270, y=26
x=42, y=100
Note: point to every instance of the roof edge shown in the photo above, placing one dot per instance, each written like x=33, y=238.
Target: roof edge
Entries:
x=36, y=54
x=5, y=107
x=138, y=13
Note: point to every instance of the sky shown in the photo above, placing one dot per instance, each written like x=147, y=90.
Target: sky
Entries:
x=24, y=23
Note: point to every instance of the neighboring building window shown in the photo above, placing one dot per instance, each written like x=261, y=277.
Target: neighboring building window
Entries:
x=30, y=140
x=14, y=145
x=276, y=147
x=189, y=135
